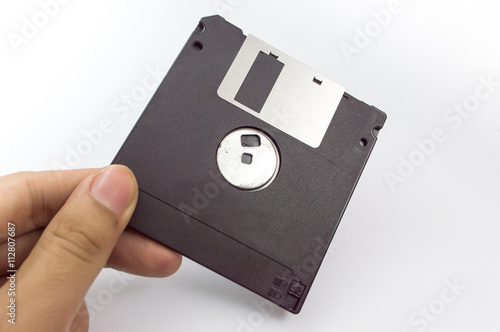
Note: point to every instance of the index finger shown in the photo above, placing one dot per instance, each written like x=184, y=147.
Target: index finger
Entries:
x=31, y=199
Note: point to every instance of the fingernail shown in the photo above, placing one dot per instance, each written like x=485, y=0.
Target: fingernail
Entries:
x=113, y=188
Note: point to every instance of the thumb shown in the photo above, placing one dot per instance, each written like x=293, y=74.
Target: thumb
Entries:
x=73, y=249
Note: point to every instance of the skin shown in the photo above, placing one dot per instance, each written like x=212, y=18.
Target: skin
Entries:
x=69, y=226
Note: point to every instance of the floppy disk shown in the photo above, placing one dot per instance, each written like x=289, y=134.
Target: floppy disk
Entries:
x=246, y=160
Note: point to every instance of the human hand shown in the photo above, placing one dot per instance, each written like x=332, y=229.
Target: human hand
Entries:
x=68, y=226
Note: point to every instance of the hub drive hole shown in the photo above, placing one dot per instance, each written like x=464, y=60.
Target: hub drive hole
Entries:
x=249, y=141
x=246, y=159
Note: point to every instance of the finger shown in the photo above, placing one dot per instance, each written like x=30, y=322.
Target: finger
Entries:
x=74, y=248
x=31, y=199
x=24, y=245
x=81, y=321
x=135, y=253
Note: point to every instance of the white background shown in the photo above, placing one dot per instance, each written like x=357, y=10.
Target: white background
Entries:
x=396, y=249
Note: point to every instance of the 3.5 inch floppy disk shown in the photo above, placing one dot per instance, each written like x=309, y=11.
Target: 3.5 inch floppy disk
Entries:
x=246, y=160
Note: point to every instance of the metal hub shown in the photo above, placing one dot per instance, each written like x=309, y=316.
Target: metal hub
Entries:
x=248, y=159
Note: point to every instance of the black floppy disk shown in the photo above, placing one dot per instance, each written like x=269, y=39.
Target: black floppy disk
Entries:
x=246, y=160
